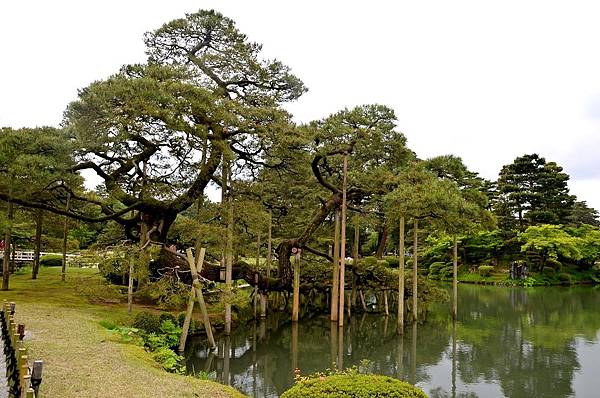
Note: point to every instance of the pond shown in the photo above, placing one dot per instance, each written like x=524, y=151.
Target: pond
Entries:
x=507, y=342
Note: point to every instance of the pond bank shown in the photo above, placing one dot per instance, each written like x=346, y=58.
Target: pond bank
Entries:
x=83, y=359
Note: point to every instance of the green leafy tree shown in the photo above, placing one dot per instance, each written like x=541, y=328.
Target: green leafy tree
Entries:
x=550, y=241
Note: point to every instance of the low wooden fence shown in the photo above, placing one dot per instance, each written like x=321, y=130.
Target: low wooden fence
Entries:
x=22, y=380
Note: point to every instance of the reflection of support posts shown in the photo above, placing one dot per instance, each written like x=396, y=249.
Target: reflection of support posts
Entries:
x=340, y=347
x=385, y=302
x=295, y=345
x=296, y=293
x=413, y=356
x=333, y=336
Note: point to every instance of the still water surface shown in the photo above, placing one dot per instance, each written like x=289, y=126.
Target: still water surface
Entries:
x=536, y=342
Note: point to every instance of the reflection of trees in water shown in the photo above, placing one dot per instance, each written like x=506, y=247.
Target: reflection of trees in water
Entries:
x=266, y=362
x=524, y=339
x=521, y=339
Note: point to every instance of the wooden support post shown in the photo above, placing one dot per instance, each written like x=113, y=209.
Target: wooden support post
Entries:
x=199, y=296
x=415, y=262
x=30, y=393
x=296, y=293
x=39, y=218
x=401, y=279
x=7, y=239
x=188, y=319
x=343, y=244
x=336, y=268
x=455, y=279
x=64, y=245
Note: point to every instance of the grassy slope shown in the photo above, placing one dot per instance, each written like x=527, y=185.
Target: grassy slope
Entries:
x=81, y=359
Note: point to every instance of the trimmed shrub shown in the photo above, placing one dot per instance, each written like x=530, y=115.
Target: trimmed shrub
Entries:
x=352, y=386
x=485, y=270
x=549, y=272
x=553, y=263
x=147, y=322
x=564, y=277
x=393, y=262
x=51, y=260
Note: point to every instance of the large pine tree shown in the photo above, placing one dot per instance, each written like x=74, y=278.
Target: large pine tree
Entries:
x=535, y=191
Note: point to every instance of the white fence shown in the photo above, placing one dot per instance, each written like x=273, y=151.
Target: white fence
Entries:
x=27, y=256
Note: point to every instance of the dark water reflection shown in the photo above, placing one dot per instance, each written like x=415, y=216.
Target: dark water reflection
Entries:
x=506, y=343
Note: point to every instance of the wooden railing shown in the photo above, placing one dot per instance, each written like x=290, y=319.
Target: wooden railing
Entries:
x=22, y=380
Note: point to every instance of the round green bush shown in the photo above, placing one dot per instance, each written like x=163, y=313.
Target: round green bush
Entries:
x=485, y=270
x=51, y=260
x=147, y=322
x=393, y=262
x=564, y=277
x=549, y=272
x=352, y=386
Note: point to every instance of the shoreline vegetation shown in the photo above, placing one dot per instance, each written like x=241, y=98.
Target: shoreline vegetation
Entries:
x=82, y=358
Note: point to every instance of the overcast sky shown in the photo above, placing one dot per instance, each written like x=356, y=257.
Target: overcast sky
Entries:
x=484, y=80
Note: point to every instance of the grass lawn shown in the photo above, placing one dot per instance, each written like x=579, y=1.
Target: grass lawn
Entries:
x=81, y=358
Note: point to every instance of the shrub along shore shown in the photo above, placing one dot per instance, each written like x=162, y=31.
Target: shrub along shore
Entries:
x=82, y=358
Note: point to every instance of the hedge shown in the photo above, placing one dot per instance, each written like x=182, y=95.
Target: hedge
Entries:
x=51, y=260
x=352, y=386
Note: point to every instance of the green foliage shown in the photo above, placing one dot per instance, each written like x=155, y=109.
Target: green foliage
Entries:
x=148, y=322
x=169, y=360
x=485, y=270
x=550, y=241
x=51, y=260
x=352, y=385
x=564, y=277
x=440, y=270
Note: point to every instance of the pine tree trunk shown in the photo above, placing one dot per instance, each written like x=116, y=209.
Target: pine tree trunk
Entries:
x=382, y=242
x=229, y=248
x=7, y=241
x=39, y=219
x=64, y=245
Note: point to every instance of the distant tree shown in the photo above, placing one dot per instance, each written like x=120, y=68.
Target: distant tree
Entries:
x=583, y=214
x=535, y=191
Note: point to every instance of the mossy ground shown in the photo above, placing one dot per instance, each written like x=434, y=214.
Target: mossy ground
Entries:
x=81, y=358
